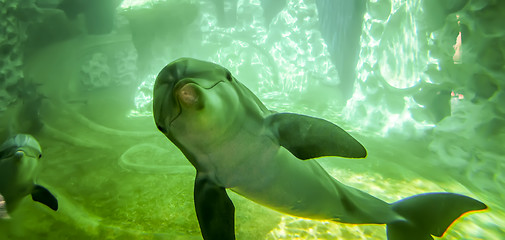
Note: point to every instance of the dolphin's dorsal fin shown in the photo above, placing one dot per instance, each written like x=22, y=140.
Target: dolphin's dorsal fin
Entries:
x=308, y=137
x=42, y=195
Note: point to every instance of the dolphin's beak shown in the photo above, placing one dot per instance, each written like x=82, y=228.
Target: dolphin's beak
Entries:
x=181, y=86
x=171, y=98
x=19, y=154
x=188, y=95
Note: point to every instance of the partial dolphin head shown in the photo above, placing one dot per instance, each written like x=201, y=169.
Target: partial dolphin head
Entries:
x=19, y=157
x=21, y=141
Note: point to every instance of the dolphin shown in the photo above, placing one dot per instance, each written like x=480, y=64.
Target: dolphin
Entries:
x=235, y=142
x=19, y=157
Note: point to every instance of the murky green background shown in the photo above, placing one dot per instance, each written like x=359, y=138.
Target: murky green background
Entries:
x=428, y=109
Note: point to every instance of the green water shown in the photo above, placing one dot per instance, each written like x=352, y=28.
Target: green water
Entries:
x=117, y=177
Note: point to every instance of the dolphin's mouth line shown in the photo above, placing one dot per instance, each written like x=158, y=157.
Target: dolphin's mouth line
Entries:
x=178, y=86
x=17, y=152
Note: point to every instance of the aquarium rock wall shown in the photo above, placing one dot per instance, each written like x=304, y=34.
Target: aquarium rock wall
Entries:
x=16, y=17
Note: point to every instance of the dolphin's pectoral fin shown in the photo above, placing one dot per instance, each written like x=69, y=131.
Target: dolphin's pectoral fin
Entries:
x=214, y=210
x=42, y=195
x=307, y=137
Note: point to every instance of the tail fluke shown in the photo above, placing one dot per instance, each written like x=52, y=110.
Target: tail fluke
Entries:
x=429, y=214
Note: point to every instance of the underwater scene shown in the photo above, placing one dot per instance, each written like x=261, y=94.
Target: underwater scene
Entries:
x=110, y=108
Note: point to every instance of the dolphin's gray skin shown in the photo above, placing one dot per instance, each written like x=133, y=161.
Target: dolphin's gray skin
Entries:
x=19, y=156
x=235, y=142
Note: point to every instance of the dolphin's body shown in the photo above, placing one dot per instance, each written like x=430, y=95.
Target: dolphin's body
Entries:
x=235, y=142
x=19, y=156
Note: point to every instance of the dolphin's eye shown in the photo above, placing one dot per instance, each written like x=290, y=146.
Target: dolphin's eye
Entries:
x=228, y=76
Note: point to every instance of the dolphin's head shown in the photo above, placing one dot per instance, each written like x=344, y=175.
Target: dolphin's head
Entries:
x=18, y=164
x=193, y=98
